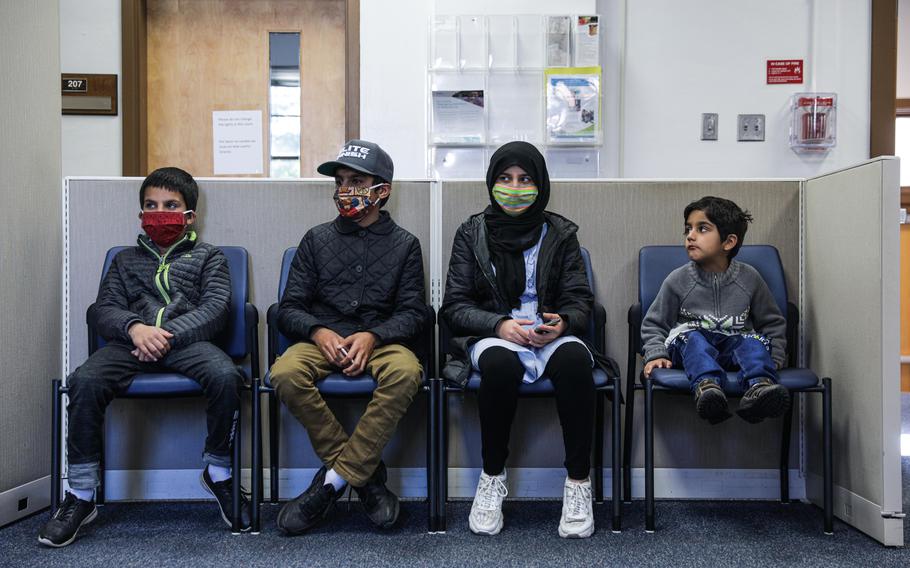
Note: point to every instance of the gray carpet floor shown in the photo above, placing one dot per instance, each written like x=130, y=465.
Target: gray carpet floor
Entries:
x=691, y=533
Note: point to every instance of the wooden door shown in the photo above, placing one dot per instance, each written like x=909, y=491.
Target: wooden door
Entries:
x=213, y=55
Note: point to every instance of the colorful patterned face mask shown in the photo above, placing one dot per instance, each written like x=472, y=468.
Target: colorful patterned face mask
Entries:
x=353, y=202
x=514, y=200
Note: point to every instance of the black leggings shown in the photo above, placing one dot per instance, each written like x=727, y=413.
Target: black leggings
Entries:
x=570, y=371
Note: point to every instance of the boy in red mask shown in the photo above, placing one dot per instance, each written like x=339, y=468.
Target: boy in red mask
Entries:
x=159, y=307
x=354, y=303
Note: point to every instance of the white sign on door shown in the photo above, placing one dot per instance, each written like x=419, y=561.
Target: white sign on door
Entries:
x=237, y=141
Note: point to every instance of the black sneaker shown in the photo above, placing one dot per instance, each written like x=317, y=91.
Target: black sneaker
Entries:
x=764, y=399
x=711, y=402
x=223, y=493
x=380, y=504
x=73, y=514
x=310, y=507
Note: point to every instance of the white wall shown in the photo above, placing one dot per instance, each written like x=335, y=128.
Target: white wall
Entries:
x=90, y=43
x=686, y=58
x=681, y=59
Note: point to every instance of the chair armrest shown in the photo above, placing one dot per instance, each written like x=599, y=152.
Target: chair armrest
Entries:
x=792, y=334
x=251, y=318
x=92, y=329
x=600, y=327
x=271, y=318
x=634, y=319
x=429, y=334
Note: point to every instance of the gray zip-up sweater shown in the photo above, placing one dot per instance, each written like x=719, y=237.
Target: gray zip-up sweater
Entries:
x=734, y=302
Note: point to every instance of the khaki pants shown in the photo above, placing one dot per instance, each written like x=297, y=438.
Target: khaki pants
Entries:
x=397, y=371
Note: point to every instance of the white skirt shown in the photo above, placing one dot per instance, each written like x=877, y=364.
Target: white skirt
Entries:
x=533, y=359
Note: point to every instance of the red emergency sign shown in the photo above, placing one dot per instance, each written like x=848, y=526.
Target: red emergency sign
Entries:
x=782, y=71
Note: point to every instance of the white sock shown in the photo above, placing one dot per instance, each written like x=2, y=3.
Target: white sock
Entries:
x=218, y=473
x=332, y=478
x=83, y=494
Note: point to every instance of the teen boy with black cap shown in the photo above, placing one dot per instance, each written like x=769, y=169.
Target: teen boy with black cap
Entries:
x=354, y=302
x=160, y=305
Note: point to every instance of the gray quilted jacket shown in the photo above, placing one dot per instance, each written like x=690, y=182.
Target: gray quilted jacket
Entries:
x=349, y=279
x=186, y=291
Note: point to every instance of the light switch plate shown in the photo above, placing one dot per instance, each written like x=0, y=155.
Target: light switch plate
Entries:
x=750, y=128
x=709, y=126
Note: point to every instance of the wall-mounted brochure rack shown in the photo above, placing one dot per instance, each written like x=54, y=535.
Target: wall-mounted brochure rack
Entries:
x=493, y=79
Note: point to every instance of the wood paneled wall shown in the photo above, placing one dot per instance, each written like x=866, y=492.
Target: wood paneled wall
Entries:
x=208, y=55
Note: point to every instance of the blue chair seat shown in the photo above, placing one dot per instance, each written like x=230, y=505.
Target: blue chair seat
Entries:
x=341, y=385
x=542, y=386
x=160, y=385
x=792, y=378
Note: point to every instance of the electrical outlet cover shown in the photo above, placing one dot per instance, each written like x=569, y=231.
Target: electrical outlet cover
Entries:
x=709, y=126
x=750, y=128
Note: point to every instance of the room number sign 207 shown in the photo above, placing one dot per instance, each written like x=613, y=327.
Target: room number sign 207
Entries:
x=75, y=85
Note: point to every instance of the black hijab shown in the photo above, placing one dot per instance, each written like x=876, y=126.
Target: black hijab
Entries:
x=508, y=237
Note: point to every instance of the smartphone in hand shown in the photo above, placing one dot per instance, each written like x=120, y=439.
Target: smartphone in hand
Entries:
x=542, y=330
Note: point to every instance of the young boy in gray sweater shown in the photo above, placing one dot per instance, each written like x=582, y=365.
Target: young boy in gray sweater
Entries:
x=716, y=314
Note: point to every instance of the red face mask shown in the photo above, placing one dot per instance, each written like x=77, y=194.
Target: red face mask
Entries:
x=164, y=227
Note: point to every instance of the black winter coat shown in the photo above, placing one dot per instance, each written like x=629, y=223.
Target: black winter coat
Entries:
x=186, y=291
x=473, y=306
x=351, y=279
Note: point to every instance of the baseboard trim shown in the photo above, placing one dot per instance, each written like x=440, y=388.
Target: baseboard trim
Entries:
x=676, y=483
x=24, y=500
x=528, y=483
x=859, y=512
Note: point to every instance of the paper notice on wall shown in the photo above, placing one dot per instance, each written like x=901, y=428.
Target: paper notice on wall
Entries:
x=573, y=105
x=237, y=142
x=558, y=41
x=587, y=41
x=458, y=117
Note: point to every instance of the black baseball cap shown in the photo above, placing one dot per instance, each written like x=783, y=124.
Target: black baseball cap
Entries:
x=362, y=156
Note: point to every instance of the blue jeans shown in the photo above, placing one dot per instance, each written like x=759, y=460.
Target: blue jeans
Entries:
x=704, y=354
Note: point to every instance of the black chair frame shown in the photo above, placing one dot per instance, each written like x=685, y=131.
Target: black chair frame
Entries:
x=251, y=317
x=649, y=388
x=612, y=389
x=275, y=423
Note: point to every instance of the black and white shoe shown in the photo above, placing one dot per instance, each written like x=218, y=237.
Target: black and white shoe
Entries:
x=222, y=491
x=310, y=507
x=72, y=515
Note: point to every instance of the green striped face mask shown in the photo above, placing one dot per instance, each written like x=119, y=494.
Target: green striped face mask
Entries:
x=514, y=200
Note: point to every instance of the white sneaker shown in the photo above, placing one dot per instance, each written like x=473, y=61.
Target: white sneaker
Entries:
x=577, y=510
x=486, y=512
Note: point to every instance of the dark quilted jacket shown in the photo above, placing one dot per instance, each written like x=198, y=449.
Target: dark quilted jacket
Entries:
x=187, y=291
x=473, y=306
x=351, y=279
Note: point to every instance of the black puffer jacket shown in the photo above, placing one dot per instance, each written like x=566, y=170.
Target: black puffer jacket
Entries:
x=473, y=306
x=186, y=291
x=351, y=279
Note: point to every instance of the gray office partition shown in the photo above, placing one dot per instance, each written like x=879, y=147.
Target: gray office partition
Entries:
x=265, y=217
x=154, y=447
x=616, y=219
x=852, y=331
x=30, y=251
